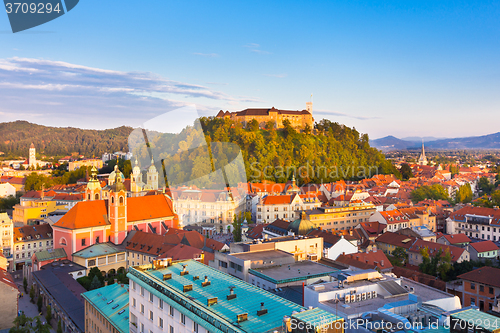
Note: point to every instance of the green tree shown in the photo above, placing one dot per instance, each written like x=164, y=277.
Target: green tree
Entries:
x=485, y=186
x=59, y=327
x=39, y=302
x=23, y=324
x=48, y=316
x=464, y=194
x=253, y=125
x=406, y=172
x=95, y=284
x=32, y=294
x=401, y=254
x=270, y=125
x=25, y=285
x=434, y=192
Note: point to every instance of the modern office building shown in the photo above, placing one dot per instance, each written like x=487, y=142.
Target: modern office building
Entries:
x=188, y=296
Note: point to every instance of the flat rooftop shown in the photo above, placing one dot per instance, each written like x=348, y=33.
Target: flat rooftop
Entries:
x=262, y=255
x=117, y=311
x=97, y=250
x=301, y=270
x=425, y=293
x=224, y=311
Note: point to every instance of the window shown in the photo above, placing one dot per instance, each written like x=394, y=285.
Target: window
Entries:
x=160, y=322
x=473, y=286
x=97, y=240
x=195, y=327
x=34, y=245
x=142, y=308
x=171, y=310
x=150, y=315
x=171, y=329
x=481, y=288
x=29, y=245
x=142, y=291
x=83, y=242
x=40, y=245
x=133, y=285
x=151, y=297
x=490, y=290
x=183, y=319
x=142, y=328
x=160, y=303
x=133, y=302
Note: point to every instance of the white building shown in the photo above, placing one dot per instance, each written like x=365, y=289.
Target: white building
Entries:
x=475, y=222
x=6, y=190
x=188, y=296
x=286, y=207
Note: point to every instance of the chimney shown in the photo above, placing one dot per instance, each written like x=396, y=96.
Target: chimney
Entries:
x=206, y=282
x=231, y=294
x=262, y=310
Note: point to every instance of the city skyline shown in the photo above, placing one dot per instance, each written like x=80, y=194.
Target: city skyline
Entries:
x=378, y=67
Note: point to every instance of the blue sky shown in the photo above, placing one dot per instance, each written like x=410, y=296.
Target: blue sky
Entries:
x=405, y=68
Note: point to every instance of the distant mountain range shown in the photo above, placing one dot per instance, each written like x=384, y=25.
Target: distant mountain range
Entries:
x=490, y=141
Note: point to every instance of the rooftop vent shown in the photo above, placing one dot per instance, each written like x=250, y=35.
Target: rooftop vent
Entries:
x=262, y=310
x=211, y=301
x=242, y=317
x=196, y=278
x=116, y=305
x=187, y=287
x=206, y=282
x=184, y=270
x=110, y=301
x=231, y=293
x=167, y=276
x=122, y=311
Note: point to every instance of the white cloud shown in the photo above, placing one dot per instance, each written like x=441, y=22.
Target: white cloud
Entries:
x=75, y=95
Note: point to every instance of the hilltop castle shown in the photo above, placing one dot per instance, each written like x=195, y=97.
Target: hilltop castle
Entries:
x=298, y=119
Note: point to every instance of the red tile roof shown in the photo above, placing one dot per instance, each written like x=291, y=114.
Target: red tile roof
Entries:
x=457, y=238
x=485, y=246
x=31, y=232
x=375, y=258
x=433, y=247
x=277, y=200
x=485, y=275
x=6, y=278
x=87, y=214
x=396, y=239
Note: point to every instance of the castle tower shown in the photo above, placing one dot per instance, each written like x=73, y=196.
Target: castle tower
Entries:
x=422, y=159
x=309, y=107
x=32, y=156
x=152, y=176
x=93, y=190
x=117, y=209
x=136, y=178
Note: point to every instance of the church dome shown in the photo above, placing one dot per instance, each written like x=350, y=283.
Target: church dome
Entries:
x=301, y=226
x=116, y=173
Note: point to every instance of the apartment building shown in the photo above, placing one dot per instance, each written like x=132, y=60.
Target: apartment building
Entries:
x=476, y=222
x=200, y=206
x=188, y=296
x=286, y=207
x=480, y=287
x=340, y=218
x=30, y=239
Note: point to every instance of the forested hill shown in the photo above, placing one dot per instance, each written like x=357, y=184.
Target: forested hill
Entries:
x=334, y=151
x=16, y=138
